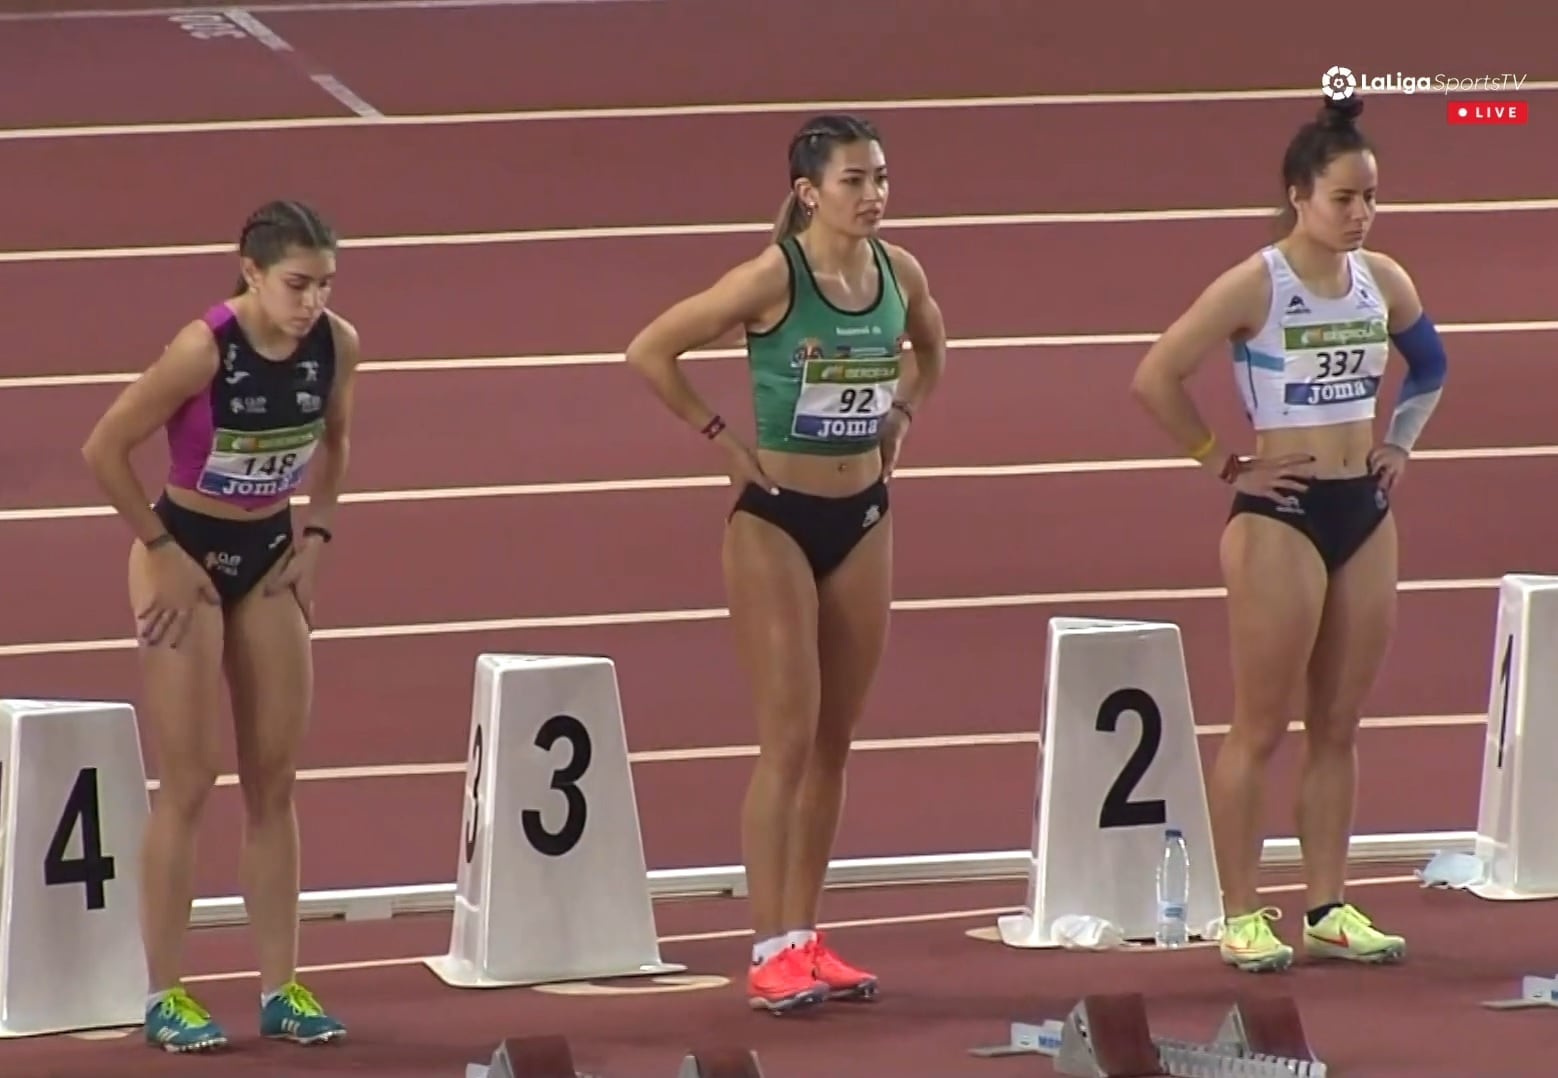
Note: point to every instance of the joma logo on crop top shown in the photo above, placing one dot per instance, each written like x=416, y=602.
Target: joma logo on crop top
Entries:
x=1368, y=331
x=227, y=487
x=1330, y=392
x=816, y=426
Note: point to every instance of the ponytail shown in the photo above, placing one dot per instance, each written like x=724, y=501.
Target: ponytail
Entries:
x=791, y=219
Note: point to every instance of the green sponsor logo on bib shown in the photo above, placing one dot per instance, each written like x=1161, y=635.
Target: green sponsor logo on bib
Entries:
x=275, y=441
x=838, y=372
x=1333, y=334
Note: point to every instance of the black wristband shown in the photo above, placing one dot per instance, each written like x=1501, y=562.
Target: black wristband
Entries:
x=319, y=530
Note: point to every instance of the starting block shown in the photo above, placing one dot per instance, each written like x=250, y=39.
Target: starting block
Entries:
x=1119, y=765
x=542, y=1056
x=721, y=1063
x=551, y=883
x=1108, y=1036
x=73, y=808
x=1517, y=832
x=550, y=1056
x=1534, y=992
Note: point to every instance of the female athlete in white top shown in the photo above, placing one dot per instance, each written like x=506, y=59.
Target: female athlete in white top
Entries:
x=1309, y=550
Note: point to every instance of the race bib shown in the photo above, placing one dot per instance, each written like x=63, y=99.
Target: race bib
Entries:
x=1335, y=362
x=844, y=400
x=247, y=463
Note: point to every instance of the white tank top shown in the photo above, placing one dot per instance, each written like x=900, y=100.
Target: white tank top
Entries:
x=1314, y=361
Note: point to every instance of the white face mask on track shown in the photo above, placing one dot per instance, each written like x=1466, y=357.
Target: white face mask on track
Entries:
x=1457, y=871
x=1083, y=932
x=1080, y=932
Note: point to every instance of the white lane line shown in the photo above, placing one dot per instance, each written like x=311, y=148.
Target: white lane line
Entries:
x=592, y=359
x=696, y=482
x=251, y=25
x=663, y=617
x=879, y=744
x=678, y=111
x=618, y=232
x=331, y=6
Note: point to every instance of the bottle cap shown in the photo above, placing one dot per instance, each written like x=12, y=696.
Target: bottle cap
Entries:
x=1173, y=832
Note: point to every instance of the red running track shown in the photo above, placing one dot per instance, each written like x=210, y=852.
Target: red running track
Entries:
x=591, y=295
x=477, y=409
x=534, y=175
x=499, y=570
x=614, y=55
x=1068, y=541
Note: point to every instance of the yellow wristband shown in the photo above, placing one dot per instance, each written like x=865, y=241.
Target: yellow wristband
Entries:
x=1204, y=450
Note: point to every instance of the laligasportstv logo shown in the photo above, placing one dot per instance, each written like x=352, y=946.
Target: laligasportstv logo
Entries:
x=1338, y=84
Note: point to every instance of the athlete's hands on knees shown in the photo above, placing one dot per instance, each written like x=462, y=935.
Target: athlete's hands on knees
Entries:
x=296, y=572
x=743, y=465
x=178, y=584
x=1386, y=463
x=1277, y=478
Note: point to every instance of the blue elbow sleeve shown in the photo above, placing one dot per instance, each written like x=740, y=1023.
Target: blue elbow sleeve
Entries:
x=1424, y=352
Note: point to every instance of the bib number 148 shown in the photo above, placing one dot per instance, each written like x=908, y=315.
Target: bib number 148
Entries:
x=275, y=464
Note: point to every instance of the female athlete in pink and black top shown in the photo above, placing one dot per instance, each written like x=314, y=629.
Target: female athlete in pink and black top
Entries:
x=254, y=395
x=247, y=439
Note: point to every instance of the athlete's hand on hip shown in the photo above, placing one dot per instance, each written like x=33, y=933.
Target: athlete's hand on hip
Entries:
x=1387, y=463
x=744, y=467
x=894, y=427
x=178, y=585
x=296, y=574
x=1277, y=478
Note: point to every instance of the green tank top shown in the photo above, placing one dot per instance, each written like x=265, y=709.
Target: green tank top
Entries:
x=823, y=379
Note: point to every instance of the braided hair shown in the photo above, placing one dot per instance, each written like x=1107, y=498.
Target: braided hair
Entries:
x=810, y=151
x=1331, y=134
x=275, y=228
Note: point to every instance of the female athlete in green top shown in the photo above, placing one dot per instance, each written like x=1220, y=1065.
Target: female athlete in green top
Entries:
x=827, y=309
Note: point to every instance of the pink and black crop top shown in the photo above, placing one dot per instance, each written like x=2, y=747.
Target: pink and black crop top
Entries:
x=248, y=437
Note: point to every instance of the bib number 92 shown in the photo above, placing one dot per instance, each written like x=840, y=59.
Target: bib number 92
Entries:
x=857, y=401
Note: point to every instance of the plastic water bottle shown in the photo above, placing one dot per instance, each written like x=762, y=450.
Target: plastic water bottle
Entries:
x=1173, y=890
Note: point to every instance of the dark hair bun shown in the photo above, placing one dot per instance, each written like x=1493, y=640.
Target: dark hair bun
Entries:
x=1341, y=113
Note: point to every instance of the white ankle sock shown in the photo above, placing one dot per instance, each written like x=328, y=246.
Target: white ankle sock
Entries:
x=155, y=999
x=800, y=937
x=763, y=950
